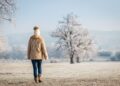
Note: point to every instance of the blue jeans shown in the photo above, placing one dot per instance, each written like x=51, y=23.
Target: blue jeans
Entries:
x=37, y=67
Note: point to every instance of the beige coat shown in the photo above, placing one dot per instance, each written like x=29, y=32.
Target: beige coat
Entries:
x=37, y=48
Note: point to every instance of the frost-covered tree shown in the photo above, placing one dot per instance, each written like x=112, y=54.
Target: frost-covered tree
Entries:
x=86, y=49
x=7, y=9
x=72, y=38
x=3, y=45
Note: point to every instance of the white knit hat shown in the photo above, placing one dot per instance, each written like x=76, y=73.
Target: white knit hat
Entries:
x=36, y=30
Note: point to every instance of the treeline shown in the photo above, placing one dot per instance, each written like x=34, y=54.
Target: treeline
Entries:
x=14, y=53
x=20, y=53
x=112, y=56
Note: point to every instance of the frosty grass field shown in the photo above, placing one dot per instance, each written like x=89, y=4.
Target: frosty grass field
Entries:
x=19, y=73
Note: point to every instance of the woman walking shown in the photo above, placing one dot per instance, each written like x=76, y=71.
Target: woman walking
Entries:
x=36, y=53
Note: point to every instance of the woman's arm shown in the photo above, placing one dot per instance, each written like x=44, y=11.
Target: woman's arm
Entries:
x=29, y=48
x=44, y=50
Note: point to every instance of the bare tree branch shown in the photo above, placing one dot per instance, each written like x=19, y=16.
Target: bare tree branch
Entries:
x=7, y=9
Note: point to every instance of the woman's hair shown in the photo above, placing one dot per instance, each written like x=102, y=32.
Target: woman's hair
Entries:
x=35, y=28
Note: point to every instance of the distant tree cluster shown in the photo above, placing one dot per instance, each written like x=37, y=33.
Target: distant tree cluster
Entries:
x=105, y=53
x=14, y=53
x=115, y=57
x=53, y=53
x=111, y=56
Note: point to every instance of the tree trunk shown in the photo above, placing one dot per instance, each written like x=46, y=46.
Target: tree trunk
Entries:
x=71, y=59
x=77, y=59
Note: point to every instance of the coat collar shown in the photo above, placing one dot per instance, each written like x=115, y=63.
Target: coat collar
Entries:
x=35, y=37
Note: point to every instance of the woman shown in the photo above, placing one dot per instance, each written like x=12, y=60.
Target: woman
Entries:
x=36, y=53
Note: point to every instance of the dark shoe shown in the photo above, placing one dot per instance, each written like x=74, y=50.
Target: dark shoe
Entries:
x=36, y=79
x=39, y=78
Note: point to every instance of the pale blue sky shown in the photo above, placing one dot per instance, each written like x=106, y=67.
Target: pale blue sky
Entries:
x=93, y=14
